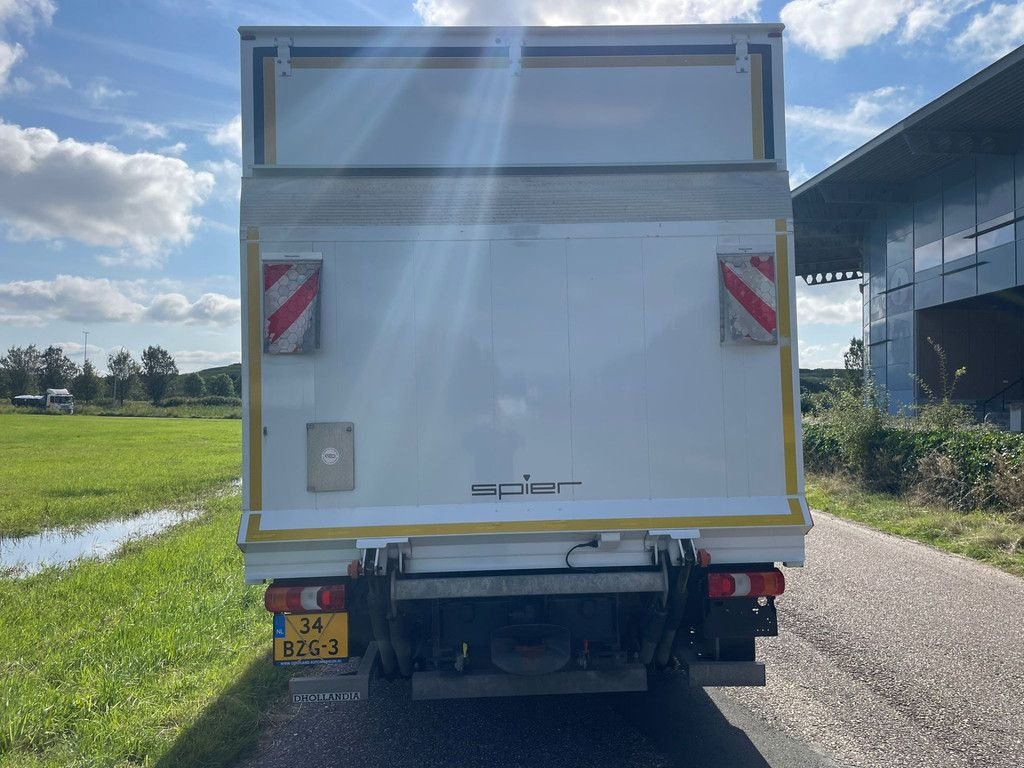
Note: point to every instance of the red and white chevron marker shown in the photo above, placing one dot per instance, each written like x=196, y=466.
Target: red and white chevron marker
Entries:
x=748, y=298
x=290, y=295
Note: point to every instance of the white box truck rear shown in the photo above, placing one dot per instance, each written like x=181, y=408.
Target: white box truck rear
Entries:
x=519, y=353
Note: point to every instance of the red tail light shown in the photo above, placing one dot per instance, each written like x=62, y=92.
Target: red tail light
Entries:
x=746, y=584
x=305, y=599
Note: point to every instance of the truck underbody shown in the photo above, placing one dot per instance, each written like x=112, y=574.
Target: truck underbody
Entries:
x=465, y=635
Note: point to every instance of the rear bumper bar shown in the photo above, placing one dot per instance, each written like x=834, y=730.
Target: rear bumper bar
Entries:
x=438, y=685
x=514, y=585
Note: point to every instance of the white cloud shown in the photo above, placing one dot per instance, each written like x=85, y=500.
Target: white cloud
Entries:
x=228, y=135
x=822, y=355
x=10, y=55
x=51, y=78
x=101, y=92
x=830, y=28
x=865, y=116
x=228, y=176
x=77, y=299
x=177, y=149
x=993, y=33
x=24, y=15
x=101, y=300
x=196, y=359
x=21, y=320
x=566, y=12
x=74, y=350
x=53, y=188
x=42, y=78
x=208, y=309
x=145, y=129
x=126, y=258
x=821, y=135
x=798, y=174
x=829, y=304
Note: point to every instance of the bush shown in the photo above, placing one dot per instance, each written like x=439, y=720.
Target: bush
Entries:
x=177, y=402
x=1008, y=486
x=963, y=468
x=192, y=385
x=854, y=421
x=221, y=385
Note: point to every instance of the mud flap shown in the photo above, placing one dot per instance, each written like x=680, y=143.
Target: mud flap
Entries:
x=336, y=688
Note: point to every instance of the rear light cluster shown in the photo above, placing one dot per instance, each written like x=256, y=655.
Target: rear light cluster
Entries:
x=305, y=599
x=746, y=584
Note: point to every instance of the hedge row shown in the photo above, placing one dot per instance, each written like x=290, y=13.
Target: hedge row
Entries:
x=177, y=402
x=961, y=467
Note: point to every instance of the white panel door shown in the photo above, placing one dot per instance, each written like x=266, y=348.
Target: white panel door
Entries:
x=684, y=372
x=606, y=353
x=565, y=115
x=457, y=441
x=531, y=361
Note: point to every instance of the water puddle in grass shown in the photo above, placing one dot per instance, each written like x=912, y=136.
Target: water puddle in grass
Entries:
x=26, y=555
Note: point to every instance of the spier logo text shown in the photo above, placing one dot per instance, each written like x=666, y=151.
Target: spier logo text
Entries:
x=525, y=488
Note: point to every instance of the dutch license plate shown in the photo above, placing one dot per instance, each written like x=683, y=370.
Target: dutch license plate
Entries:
x=310, y=638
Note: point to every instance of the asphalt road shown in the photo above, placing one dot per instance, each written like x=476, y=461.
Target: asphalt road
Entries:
x=890, y=654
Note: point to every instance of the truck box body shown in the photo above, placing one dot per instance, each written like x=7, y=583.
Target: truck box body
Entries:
x=516, y=257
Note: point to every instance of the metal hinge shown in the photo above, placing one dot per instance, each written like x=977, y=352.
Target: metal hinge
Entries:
x=742, y=54
x=377, y=552
x=283, y=63
x=684, y=539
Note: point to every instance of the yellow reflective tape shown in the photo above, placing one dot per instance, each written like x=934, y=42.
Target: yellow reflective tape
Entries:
x=795, y=508
x=786, y=357
x=254, y=344
x=668, y=60
x=399, y=62
x=254, y=533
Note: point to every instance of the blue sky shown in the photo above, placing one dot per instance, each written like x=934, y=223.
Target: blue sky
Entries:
x=119, y=143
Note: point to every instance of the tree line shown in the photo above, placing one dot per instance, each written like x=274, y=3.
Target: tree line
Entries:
x=28, y=370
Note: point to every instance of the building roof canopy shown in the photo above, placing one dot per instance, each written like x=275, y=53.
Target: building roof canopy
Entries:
x=982, y=115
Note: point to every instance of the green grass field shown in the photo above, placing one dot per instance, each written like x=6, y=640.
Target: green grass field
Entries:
x=158, y=656
x=154, y=658
x=71, y=470
x=991, y=537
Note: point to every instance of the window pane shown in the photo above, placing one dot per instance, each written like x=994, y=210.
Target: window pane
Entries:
x=928, y=293
x=958, y=246
x=995, y=186
x=1018, y=162
x=899, y=275
x=878, y=307
x=928, y=256
x=960, y=285
x=958, y=207
x=900, y=351
x=901, y=300
x=927, y=220
x=901, y=326
x=996, y=269
x=1001, y=235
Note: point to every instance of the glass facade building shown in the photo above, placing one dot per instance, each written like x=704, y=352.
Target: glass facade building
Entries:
x=958, y=236
x=929, y=217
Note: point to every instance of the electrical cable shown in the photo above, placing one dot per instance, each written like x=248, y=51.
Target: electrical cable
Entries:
x=592, y=544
